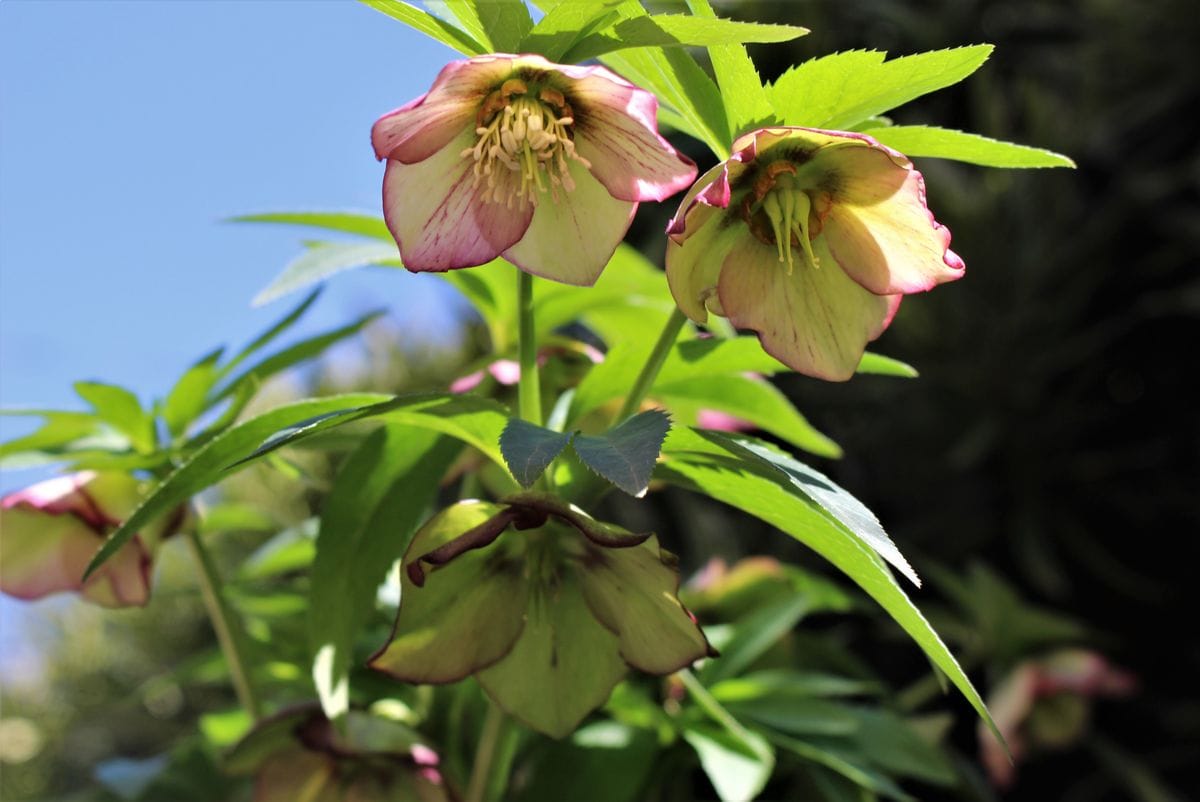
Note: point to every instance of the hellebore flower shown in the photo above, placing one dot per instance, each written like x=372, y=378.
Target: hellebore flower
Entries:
x=547, y=619
x=515, y=156
x=297, y=754
x=52, y=529
x=1044, y=703
x=809, y=238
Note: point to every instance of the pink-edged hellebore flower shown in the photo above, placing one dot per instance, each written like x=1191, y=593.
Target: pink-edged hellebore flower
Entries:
x=515, y=156
x=1044, y=704
x=809, y=238
x=50, y=531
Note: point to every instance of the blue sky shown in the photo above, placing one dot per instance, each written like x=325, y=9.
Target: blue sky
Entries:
x=129, y=130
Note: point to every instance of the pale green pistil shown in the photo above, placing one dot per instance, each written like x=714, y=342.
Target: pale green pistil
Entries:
x=788, y=209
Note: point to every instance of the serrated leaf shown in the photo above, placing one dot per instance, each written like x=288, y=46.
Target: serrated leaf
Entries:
x=566, y=24
x=323, y=260
x=702, y=464
x=843, y=89
x=120, y=409
x=943, y=143
x=505, y=22
x=208, y=464
x=752, y=399
x=429, y=25
x=380, y=495
x=746, y=103
x=529, y=449
x=626, y=455
x=677, y=30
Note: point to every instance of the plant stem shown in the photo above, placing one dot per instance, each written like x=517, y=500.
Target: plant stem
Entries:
x=529, y=393
x=485, y=754
x=228, y=637
x=654, y=363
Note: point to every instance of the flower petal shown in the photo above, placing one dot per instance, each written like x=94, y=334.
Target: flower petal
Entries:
x=572, y=240
x=43, y=553
x=616, y=129
x=880, y=230
x=440, y=216
x=711, y=189
x=816, y=321
x=694, y=266
x=423, y=126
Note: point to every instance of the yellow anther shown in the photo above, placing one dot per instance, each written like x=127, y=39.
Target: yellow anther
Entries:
x=526, y=136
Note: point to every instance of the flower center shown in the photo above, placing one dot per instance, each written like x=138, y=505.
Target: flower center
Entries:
x=524, y=144
x=787, y=207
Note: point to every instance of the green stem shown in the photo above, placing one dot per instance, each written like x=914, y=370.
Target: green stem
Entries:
x=228, y=637
x=529, y=393
x=485, y=754
x=654, y=363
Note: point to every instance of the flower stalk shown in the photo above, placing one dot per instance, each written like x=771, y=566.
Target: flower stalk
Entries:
x=228, y=636
x=529, y=393
x=654, y=363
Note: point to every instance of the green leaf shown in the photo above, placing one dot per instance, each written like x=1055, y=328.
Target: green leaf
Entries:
x=565, y=24
x=504, y=22
x=737, y=761
x=752, y=399
x=797, y=715
x=273, y=331
x=120, y=409
x=60, y=430
x=381, y=493
x=626, y=454
x=529, y=449
x=189, y=397
x=208, y=465
x=891, y=743
x=679, y=82
x=360, y=223
x=429, y=25
x=291, y=550
x=840, y=90
x=943, y=143
x=885, y=366
x=727, y=474
x=746, y=103
x=325, y=259
x=466, y=14
x=489, y=288
x=677, y=30
x=753, y=636
x=850, y=766
x=305, y=349
x=785, y=683
x=476, y=421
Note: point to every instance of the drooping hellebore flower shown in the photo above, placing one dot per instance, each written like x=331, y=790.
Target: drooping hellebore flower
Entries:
x=52, y=530
x=809, y=238
x=515, y=156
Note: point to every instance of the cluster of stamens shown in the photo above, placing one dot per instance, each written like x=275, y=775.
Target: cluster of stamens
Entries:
x=519, y=133
x=787, y=207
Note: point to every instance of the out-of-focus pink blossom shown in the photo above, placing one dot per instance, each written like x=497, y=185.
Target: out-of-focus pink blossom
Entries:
x=516, y=156
x=52, y=530
x=1016, y=701
x=810, y=238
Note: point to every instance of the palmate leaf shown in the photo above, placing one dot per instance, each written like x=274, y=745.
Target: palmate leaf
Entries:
x=381, y=494
x=120, y=409
x=677, y=30
x=747, y=105
x=841, y=90
x=720, y=468
x=567, y=23
x=324, y=259
x=944, y=143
